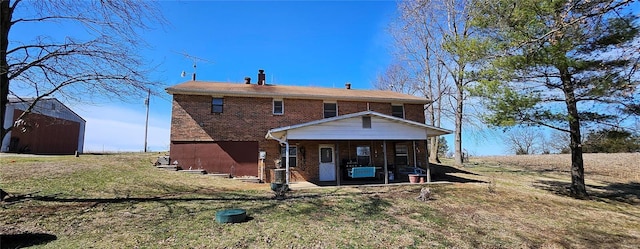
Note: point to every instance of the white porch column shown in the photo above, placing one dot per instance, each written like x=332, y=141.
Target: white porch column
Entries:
x=384, y=154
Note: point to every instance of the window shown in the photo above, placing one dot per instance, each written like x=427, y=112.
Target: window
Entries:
x=397, y=111
x=293, y=156
x=278, y=107
x=330, y=110
x=326, y=155
x=216, y=105
x=402, y=154
x=366, y=122
x=364, y=155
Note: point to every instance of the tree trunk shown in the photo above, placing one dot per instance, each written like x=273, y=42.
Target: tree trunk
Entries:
x=457, y=143
x=434, y=157
x=5, y=25
x=578, y=187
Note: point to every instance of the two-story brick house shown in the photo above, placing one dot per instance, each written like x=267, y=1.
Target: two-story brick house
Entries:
x=225, y=127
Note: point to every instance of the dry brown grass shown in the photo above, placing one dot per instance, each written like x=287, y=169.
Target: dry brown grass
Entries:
x=616, y=167
x=121, y=201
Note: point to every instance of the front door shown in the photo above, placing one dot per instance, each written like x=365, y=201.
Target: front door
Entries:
x=327, y=163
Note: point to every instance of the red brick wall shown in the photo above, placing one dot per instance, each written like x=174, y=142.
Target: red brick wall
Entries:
x=46, y=135
x=414, y=112
x=249, y=119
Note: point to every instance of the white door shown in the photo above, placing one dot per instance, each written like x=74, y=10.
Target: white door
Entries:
x=327, y=163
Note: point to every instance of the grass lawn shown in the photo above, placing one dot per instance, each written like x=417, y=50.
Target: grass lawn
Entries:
x=122, y=201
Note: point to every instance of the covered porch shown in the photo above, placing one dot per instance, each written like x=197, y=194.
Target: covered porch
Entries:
x=359, y=148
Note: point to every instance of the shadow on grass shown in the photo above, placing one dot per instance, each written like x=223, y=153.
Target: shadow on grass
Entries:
x=439, y=173
x=621, y=192
x=443, y=173
x=25, y=240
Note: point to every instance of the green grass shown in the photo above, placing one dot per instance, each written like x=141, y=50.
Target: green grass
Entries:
x=122, y=201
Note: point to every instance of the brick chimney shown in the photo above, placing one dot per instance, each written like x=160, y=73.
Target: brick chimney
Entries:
x=247, y=80
x=261, y=77
x=347, y=85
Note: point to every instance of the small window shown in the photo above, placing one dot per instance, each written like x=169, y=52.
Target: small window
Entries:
x=364, y=155
x=326, y=155
x=216, y=105
x=278, y=107
x=366, y=122
x=397, y=111
x=402, y=154
x=330, y=110
x=293, y=156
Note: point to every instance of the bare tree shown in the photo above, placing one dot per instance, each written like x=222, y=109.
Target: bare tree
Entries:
x=100, y=61
x=417, y=50
x=395, y=78
x=434, y=40
x=523, y=141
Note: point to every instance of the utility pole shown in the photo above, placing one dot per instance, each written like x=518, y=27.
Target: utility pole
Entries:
x=146, y=126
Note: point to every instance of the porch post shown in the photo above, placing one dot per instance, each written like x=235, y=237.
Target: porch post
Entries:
x=384, y=153
x=415, y=155
x=337, y=162
x=426, y=146
x=286, y=153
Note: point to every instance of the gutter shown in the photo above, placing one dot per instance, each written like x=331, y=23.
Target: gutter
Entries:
x=286, y=143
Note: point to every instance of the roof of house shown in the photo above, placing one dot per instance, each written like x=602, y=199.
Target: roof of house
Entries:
x=297, y=92
x=432, y=130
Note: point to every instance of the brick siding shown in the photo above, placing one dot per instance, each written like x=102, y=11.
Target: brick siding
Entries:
x=249, y=119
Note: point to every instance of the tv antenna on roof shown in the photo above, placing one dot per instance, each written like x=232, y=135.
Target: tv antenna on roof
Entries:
x=195, y=63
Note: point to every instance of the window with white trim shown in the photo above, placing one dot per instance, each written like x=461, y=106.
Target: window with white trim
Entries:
x=278, y=106
x=293, y=156
x=330, y=110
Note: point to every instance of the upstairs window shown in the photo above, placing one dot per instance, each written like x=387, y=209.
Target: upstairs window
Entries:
x=216, y=105
x=330, y=110
x=397, y=111
x=278, y=107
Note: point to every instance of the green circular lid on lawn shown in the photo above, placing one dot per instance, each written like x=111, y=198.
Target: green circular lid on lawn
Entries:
x=231, y=215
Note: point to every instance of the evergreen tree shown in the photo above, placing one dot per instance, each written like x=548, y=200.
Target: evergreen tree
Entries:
x=560, y=64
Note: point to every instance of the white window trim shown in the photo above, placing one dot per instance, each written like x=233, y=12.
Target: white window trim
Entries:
x=273, y=106
x=283, y=163
x=330, y=102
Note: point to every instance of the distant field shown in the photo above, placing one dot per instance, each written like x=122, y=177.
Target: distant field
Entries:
x=617, y=167
x=122, y=201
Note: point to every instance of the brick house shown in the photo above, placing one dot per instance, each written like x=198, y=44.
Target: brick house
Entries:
x=50, y=128
x=316, y=134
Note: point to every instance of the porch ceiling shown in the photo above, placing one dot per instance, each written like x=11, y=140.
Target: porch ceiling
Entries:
x=350, y=127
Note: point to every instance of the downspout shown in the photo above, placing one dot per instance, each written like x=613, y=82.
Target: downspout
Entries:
x=286, y=153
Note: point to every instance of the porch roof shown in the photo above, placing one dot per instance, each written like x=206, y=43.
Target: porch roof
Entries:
x=352, y=127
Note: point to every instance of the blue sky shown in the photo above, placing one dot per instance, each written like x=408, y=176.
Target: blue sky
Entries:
x=305, y=43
